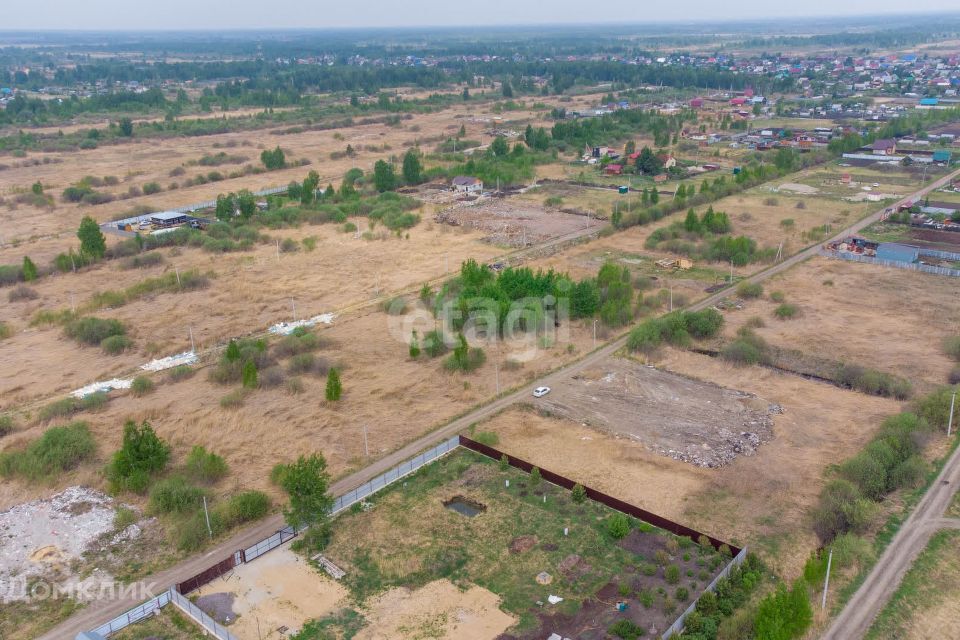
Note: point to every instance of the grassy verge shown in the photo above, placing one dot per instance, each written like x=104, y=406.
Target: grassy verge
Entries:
x=932, y=581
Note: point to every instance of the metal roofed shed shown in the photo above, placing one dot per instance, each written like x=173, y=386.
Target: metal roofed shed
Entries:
x=896, y=252
x=169, y=218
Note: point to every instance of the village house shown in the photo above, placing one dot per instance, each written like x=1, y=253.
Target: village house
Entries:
x=884, y=147
x=467, y=185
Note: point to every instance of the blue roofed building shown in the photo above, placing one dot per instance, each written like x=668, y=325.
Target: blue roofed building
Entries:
x=896, y=252
x=942, y=155
x=929, y=102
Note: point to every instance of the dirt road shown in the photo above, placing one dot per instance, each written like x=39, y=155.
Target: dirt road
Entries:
x=100, y=611
x=855, y=619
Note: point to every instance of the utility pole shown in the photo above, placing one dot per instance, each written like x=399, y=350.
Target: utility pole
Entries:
x=278, y=249
x=953, y=401
x=594, y=333
x=366, y=446
x=293, y=303
x=731, y=272
x=193, y=348
x=177, y=269
x=826, y=581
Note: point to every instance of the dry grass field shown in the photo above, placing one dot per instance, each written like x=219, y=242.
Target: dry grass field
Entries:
x=892, y=320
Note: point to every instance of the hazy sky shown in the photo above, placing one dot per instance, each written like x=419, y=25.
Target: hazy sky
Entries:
x=252, y=14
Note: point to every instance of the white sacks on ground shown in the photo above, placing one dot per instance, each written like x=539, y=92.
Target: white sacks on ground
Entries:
x=106, y=385
x=286, y=328
x=185, y=358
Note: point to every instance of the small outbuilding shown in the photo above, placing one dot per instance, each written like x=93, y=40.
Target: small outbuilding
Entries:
x=467, y=184
x=168, y=219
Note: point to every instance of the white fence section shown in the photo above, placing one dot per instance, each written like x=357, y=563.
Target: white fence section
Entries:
x=404, y=469
x=677, y=626
x=209, y=624
x=911, y=266
x=134, y=615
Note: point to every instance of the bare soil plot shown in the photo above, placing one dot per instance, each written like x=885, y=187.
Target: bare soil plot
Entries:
x=892, y=320
x=278, y=589
x=508, y=222
x=682, y=418
x=760, y=500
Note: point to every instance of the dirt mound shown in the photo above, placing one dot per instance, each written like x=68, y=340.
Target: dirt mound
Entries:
x=520, y=544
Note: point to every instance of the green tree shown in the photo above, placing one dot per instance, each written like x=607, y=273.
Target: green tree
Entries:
x=226, y=207
x=462, y=132
x=92, y=242
x=273, y=160
x=141, y=455
x=535, y=476
x=246, y=204
x=506, y=89
x=126, y=127
x=334, y=386
x=412, y=168
x=294, y=190
x=466, y=94
x=233, y=351
x=654, y=196
x=691, y=223
x=307, y=482
x=29, y=269
x=499, y=147
x=384, y=178
x=37, y=188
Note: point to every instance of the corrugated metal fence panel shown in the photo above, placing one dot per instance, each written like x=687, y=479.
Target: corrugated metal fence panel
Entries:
x=943, y=255
x=205, y=621
x=389, y=477
x=134, y=615
x=910, y=266
x=677, y=626
x=210, y=574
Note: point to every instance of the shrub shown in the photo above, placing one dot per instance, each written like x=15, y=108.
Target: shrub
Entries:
x=272, y=377
x=672, y=574
x=841, y=508
x=395, y=306
x=295, y=386
x=618, y=526
x=625, y=629
x=234, y=399
x=777, y=296
x=142, y=454
x=578, y=493
x=180, y=372
x=249, y=375
x=535, y=476
x=749, y=289
x=334, y=387
x=22, y=292
x=194, y=534
x=115, y=345
x=784, y=614
x=491, y=439
x=747, y=349
x=6, y=424
x=59, y=449
x=175, y=495
x=5, y=331
x=141, y=386
x=205, y=466
x=301, y=363
x=786, y=311
x=123, y=517
x=93, y=331
x=245, y=506
x=681, y=594
x=151, y=188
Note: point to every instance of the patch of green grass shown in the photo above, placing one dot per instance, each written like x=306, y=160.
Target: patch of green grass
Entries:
x=933, y=579
x=341, y=625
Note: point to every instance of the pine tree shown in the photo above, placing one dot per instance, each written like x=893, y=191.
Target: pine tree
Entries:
x=92, y=242
x=414, y=346
x=250, y=375
x=233, y=351
x=29, y=269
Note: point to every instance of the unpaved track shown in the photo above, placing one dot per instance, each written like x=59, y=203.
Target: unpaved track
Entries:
x=100, y=611
x=912, y=538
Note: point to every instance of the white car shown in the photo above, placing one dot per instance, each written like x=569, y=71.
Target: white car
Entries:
x=539, y=392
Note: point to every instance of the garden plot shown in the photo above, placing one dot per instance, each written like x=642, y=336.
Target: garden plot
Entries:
x=43, y=538
x=554, y=563
x=689, y=420
x=516, y=223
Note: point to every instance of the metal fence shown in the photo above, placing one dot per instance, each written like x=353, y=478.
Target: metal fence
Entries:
x=404, y=469
x=677, y=626
x=209, y=624
x=267, y=544
x=910, y=266
x=189, y=208
x=134, y=615
x=210, y=574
